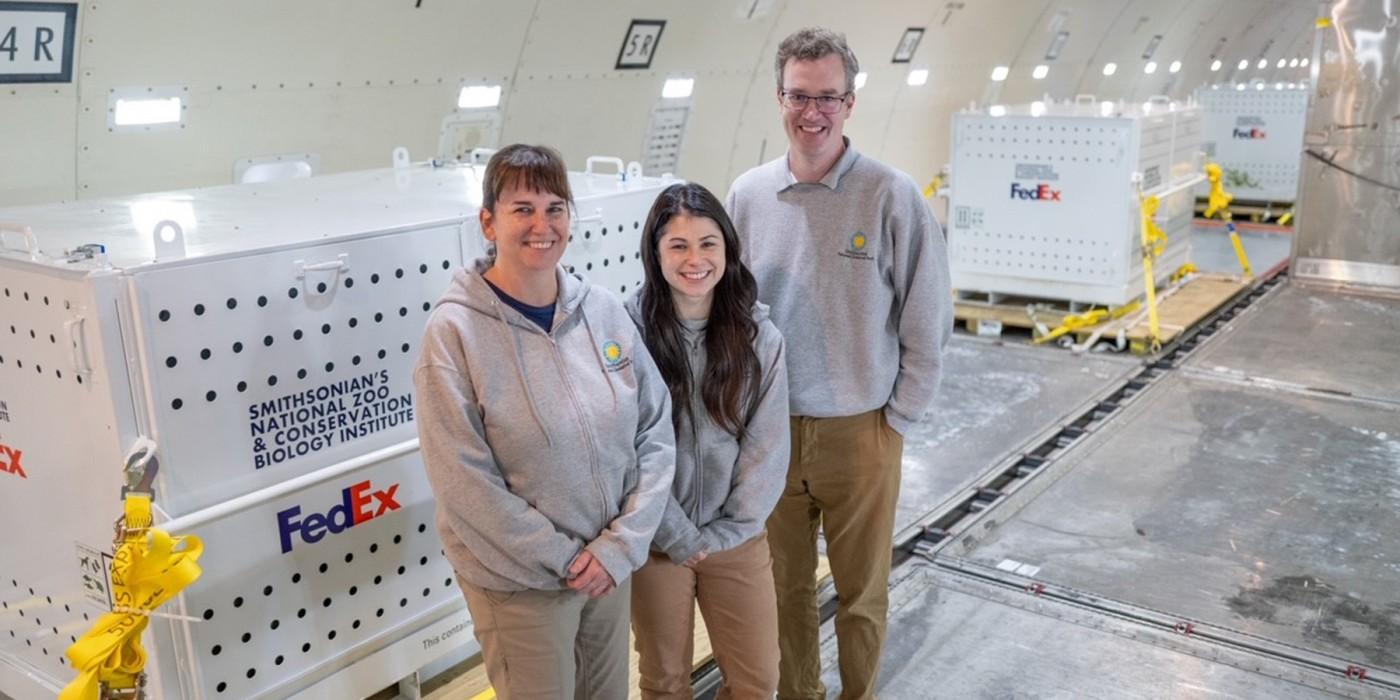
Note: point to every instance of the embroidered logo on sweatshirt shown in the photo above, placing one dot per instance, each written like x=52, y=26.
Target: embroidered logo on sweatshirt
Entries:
x=612, y=356
x=856, y=248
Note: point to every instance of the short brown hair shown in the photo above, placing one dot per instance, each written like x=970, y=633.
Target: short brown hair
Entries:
x=537, y=168
x=815, y=43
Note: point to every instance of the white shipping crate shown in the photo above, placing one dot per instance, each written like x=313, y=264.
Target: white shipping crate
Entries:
x=263, y=337
x=1255, y=133
x=1044, y=198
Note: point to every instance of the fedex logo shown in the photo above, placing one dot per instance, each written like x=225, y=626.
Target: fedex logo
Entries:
x=358, y=504
x=9, y=461
x=1250, y=133
x=1041, y=192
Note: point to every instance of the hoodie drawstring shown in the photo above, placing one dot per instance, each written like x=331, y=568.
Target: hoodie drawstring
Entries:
x=602, y=364
x=520, y=371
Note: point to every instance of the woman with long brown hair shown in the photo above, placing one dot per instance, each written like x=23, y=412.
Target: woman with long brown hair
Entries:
x=722, y=360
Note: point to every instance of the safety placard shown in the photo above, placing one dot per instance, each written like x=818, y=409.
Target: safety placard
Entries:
x=36, y=42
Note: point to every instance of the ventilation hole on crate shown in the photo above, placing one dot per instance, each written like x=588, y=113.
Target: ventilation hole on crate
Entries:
x=403, y=602
x=588, y=266
x=177, y=404
x=447, y=582
x=216, y=650
x=355, y=360
x=267, y=590
x=171, y=362
x=242, y=387
x=326, y=602
x=221, y=687
x=231, y=303
x=404, y=347
x=378, y=580
x=262, y=301
x=426, y=592
x=381, y=354
x=403, y=311
x=274, y=624
x=199, y=309
x=164, y=314
x=587, y=234
x=378, y=317
x=237, y=347
x=349, y=282
x=247, y=637
x=349, y=557
x=306, y=647
x=355, y=625
x=252, y=672
x=374, y=278
x=353, y=322
x=423, y=561
x=238, y=602
x=398, y=539
x=398, y=273
x=296, y=578
x=330, y=635
x=374, y=548
x=267, y=341
x=272, y=380
x=292, y=292
x=301, y=613
x=320, y=287
x=446, y=265
x=210, y=395
x=422, y=527
x=427, y=306
x=301, y=374
x=354, y=590
x=379, y=612
x=423, y=269
x=205, y=354
x=277, y=661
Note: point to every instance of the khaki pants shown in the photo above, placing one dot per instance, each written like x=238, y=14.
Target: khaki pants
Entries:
x=552, y=644
x=844, y=476
x=735, y=591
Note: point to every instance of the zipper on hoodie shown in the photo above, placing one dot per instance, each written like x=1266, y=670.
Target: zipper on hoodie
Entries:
x=584, y=428
x=695, y=444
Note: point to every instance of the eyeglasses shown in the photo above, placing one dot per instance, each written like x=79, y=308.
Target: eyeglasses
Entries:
x=826, y=104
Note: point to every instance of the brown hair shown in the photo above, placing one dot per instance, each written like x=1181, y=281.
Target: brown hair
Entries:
x=536, y=168
x=815, y=43
x=729, y=388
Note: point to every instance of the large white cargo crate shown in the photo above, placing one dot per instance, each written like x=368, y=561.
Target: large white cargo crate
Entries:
x=1044, y=197
x=263, y=337
x=1255, y=133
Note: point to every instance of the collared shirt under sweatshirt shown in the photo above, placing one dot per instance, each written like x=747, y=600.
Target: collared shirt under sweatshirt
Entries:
x=855, y=269
x=539, y=445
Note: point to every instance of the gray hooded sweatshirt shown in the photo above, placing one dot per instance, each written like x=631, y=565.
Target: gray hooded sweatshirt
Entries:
x=540, y=445
x=725, y=489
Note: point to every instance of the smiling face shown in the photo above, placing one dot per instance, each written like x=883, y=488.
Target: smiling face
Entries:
x=814, y=136
x=530, y=230
x=691, y=254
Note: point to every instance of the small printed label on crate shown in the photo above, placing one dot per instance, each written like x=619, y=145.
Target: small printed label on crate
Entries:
x=989, y=328
x=95, y=569
x=967, y=217
x=1151, y=177
x=304, y=422
x=1036, y=171
x=4, y=411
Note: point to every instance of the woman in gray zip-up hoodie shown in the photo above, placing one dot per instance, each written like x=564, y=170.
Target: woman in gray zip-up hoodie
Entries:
x=546, y=435
x=723, y=362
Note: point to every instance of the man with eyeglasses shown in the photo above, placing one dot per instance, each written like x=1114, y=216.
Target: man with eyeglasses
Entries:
x=855, y=269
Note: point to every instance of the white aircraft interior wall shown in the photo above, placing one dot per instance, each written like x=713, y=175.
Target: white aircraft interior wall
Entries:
x=348, y=81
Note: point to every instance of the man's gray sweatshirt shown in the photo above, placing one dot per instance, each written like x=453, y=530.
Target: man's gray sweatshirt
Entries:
x=540, y=445
x=725, y=489
x=855, y=269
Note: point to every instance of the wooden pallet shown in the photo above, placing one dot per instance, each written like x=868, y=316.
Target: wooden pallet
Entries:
x=468, y=681
x=1179, y=308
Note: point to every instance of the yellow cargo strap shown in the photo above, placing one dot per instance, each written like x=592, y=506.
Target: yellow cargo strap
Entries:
x=1092, y=317
x=1287, y=217
x=488, y=694
x=1151, y=234
x=933, y=186
x=150, y=568
x=1182, y=272
x=1218, y=204
x=1323, y=22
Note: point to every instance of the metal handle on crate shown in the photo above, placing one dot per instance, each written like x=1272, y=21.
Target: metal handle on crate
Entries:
x=596, y=160
x=339, y=265
x=31, y=243
x=74, y=327
x=597, y=216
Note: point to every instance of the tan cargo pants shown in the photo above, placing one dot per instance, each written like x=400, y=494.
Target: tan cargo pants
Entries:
x=735, y=591
x=844, y=477
x=552, y=644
